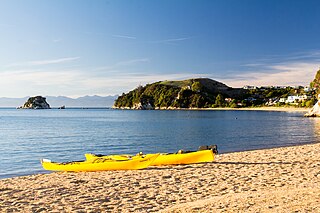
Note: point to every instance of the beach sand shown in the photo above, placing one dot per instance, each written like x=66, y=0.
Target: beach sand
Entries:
x=271, y=180
x=271, y=109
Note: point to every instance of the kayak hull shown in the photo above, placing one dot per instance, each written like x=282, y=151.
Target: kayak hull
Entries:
x=100, y=164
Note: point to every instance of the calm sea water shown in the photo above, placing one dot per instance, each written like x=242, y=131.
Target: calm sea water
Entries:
x=65, y=135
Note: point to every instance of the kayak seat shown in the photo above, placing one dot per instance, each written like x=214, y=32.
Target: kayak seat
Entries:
x=181, y=151
x=205, y=147
x=214, y=148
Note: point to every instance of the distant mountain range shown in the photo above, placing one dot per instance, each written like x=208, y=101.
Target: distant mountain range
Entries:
x=57, y=101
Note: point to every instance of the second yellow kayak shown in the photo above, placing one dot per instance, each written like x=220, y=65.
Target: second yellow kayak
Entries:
x=165, y=158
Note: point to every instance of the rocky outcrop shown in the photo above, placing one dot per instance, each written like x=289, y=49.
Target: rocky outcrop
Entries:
x=315, y=110
x=139, y=106
x=142, y=106
x=37, y=102
x=315, y=84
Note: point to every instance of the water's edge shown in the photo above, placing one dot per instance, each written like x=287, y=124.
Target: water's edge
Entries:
x=65, y=135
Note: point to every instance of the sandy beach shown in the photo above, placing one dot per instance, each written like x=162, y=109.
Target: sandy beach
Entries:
x=271, y=109
x=265, y=108
x=272, y=180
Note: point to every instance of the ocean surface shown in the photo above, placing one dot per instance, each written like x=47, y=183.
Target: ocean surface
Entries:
x=26, y=136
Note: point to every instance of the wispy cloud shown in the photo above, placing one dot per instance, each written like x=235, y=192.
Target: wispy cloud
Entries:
x=303, y=56
x=121, y=82
x=56, y=40
x=30, y=82
x=292, y=69
x=125, y=75
x=43, y=62
x=53, y=61
x=133, y=61
x=124, y=36
x=286, y=73
x=252, y=65
x=176, y=39
x=111, y=35
x=77, y=82
x=172, y=40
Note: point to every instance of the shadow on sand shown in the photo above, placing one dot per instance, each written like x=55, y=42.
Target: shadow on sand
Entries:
x=182, y=167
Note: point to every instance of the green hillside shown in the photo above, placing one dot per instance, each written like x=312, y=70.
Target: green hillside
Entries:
x=316, y=82
x=191, y=93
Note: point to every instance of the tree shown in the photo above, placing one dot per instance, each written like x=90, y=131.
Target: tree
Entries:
x=233, y=105
x=315, y=84
x=196, y=86
x=219, y=100
x=310, y=103
x=197, y=101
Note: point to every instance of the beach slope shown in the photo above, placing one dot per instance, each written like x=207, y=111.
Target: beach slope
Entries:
x=272, y=180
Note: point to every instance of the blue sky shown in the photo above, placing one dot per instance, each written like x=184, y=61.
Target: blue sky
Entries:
x=100, y=47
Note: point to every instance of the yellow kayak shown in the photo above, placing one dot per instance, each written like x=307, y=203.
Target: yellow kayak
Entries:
x=165, y=158
x=100, y=164
x=184, y=158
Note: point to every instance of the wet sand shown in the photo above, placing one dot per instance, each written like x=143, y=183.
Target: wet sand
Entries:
x=271, y=180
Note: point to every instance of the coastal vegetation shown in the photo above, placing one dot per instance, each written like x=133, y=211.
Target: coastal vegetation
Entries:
x=191, y=93
x=316, y=82
x=208, y=93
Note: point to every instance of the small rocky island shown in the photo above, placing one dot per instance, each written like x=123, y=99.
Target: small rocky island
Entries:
x=37, y=102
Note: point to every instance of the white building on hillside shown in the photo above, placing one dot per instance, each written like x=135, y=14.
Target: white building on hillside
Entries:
x=249, y=87
x=282, y=100
x=294, y=98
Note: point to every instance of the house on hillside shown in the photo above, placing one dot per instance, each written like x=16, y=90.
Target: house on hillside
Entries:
x=307, y=89
x=292, y=98
x=282, y=100
x=272, y=101
x=295, y=98
x=228, y=100
x=249, y=87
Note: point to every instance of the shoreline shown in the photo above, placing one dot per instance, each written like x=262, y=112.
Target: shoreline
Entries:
x=269, y=180
x=271, y=109
x=276, y=109
x=221, y=153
